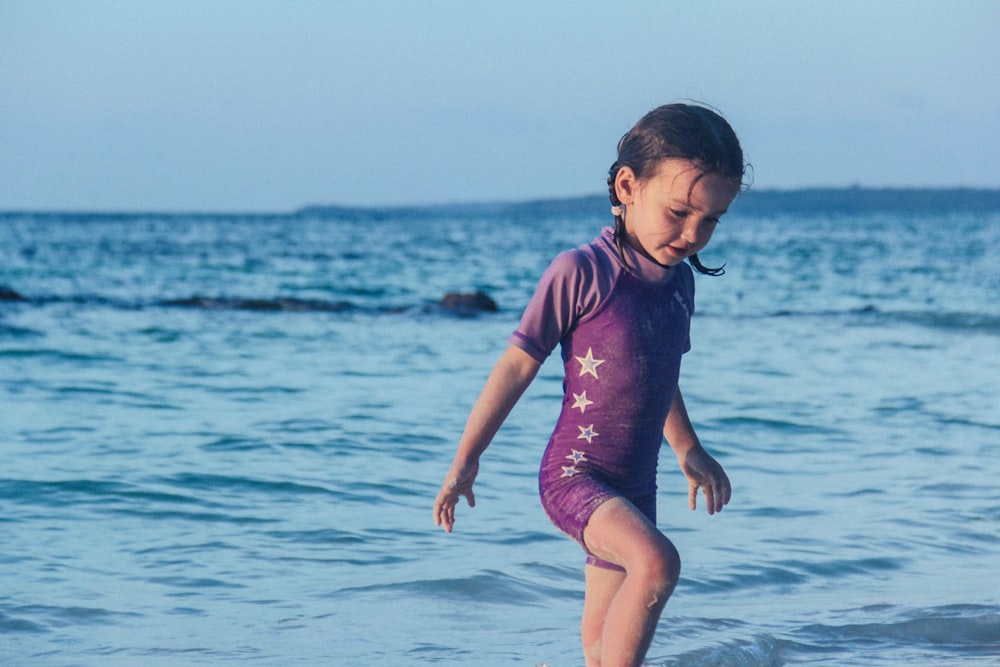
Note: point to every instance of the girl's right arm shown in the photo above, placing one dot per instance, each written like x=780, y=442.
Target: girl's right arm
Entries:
x=512, y=374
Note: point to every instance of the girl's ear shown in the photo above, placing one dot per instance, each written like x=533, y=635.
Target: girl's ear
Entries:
x=626, y=185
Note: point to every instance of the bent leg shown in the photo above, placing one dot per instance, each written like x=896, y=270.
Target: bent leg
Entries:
x=619, y=533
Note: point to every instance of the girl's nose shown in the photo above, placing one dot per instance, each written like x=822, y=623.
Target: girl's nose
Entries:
x=691, y=232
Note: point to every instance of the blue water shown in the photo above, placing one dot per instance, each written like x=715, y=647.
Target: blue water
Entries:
x=222, y=436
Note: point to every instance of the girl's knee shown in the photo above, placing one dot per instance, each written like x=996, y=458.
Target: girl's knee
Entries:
x=661, y=570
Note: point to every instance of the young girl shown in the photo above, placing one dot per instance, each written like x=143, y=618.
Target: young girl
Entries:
x=620, y=308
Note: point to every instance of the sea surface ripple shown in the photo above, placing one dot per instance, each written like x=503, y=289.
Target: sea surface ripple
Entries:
x=222, y=436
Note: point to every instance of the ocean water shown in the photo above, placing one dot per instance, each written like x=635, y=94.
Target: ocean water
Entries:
x=222, y=436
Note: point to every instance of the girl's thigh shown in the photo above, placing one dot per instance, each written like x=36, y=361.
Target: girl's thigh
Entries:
x=621, y=534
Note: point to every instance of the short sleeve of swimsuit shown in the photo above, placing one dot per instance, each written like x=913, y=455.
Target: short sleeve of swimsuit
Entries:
x=571, y=288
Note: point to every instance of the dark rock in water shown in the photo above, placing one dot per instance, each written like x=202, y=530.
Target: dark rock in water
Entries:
x=7, y=294
x=468, y=304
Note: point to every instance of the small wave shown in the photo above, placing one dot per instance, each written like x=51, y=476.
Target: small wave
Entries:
x=42, y=618
x=782, y=574
x=959, y=629
x=523, y=537
x=282, y=304
x=194, y=582
x=16, y=333
x=236, y=444
x=759, y=651
x=753, y=577
x=321, y=536
x=960, y=321
x=840, y=567
x=74, y=492
x=199, y=482
x=58, y=355
x=943, y=635
x=740, y=423
x=13, y=624
x=488, y=587
x=980, y=322
x=771, y=512
x=231, y=488
x=117, y=498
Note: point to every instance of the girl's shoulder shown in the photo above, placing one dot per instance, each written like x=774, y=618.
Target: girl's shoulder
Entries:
x=589, y=262
x=583, y=278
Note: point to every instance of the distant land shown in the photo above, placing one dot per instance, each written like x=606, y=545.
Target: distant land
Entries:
x=755, y=203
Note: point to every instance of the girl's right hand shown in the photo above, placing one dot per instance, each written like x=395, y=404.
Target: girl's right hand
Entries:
x=457, y=483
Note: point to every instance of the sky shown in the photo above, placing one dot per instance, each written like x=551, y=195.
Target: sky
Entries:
x=268, y=106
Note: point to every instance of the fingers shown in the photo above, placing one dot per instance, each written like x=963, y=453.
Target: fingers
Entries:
x=444, y=505
x=717, y=494
x=448, y=518
x=727, y=490
x=445, y=516
x=444, y=513
x=704, y=472
x=712, y=500
x=711, y=497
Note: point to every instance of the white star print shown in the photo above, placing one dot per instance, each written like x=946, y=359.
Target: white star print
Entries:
x=576, y=456
x=582, y=402
x=588, y=364
x=568, y=471
x=587, y=433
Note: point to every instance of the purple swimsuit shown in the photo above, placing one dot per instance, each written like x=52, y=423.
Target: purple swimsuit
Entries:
x=622, y=334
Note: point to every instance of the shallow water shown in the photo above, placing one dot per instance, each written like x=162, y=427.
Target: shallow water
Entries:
x=222, y=437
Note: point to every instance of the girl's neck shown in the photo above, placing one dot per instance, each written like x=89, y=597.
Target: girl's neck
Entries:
x=636, y=260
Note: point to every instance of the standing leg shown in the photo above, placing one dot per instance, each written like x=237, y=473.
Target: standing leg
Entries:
x=601, y=587
x=619, y=533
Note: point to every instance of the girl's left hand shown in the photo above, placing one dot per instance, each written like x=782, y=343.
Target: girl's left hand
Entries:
x=704, y=472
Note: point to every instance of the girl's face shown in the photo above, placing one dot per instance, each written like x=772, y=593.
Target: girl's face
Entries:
x=671, y=215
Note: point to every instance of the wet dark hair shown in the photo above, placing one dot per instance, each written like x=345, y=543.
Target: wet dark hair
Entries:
x=689, y=132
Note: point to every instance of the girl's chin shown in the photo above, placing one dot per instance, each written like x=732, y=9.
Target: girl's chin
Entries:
x=666, y=255
x=667, y=260
x=669, y=257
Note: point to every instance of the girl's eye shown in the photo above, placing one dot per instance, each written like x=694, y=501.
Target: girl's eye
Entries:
x=678, y=214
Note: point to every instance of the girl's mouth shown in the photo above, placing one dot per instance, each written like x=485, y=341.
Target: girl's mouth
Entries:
x=677, y=251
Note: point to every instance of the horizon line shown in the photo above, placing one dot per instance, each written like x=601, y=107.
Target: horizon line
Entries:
x=483, y=203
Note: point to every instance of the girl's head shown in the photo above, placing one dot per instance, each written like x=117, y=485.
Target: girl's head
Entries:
x=670, y=136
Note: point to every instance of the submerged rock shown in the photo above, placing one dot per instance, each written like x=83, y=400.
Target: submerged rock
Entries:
x=468, y=304
x=7, y=294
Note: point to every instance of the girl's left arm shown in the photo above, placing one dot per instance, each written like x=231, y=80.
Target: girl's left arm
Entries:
x=702, y=471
